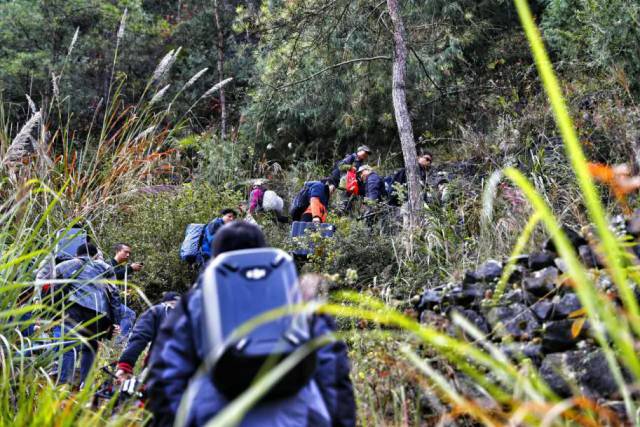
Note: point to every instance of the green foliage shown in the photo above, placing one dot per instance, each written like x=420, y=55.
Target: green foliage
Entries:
x=602, y=33
x=224, y=162
x=154, y=226
x=35, y=40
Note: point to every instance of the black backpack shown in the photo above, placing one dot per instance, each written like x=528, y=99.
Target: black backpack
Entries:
x=301, y=201
x=238, y=286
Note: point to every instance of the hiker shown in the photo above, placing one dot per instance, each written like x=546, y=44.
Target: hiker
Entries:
x=89, y=298
x=227, y=216
x=319, y=194
x=349, y=165
x=144, y=333
x=181, y=349
x=256, y=196
x=424, y=164
x=121, y=268
x=425, y=159
x=373, y=185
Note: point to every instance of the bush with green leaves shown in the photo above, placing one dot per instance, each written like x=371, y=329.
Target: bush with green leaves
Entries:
x=601, y=33
x=154, y=226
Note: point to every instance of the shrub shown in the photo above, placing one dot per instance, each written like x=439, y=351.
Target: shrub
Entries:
x=154, y=227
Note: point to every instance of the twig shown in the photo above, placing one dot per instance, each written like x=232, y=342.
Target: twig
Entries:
x=340, y=64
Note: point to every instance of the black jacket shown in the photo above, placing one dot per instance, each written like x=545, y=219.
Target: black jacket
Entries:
x=120, y=269
x=145, y=332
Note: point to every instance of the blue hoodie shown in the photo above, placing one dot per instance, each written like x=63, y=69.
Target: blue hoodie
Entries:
x=327, y=400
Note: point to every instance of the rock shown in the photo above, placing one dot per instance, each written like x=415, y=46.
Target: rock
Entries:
x=633, y=224
x=490, y=271
x=519, y=351
x=557, y=336
x=518, y=296
x=594, y=374
x=522, y=260
x=558, y=371
x=589, y=257
x=587, y=370
x=515, y=320
x=566, y=305
x=561, y=265
x=576, y=240
x=540, y=260
x=543, y=309
x=541, y=282
x=469, y=294
x=435, y=320
x=473, y=317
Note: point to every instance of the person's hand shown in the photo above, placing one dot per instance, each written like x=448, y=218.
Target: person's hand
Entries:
x=116, y=330
x=316, y=220
x=136, y=266
x=122, y=376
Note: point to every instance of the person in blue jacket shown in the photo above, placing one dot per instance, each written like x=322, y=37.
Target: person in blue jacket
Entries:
x=327, y=400
x=144, y=333
x=92, y=309
x=374, y=185
x=226, y=216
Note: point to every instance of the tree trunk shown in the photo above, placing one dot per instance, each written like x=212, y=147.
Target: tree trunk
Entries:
x=401, y=110
x=220, y=44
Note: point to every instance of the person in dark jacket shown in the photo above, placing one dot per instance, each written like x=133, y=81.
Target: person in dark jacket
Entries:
x=373, y=184
x=226, y=216
x=319, y=195
x=424, y=164
x=179, y=352
x=120, y=262
x=351, y=162
x=144, y=333
x=92, y=308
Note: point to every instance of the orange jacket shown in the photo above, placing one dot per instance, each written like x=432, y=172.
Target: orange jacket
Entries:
x=317, y=209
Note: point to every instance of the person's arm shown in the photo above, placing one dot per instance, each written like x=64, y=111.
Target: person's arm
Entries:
x=341, y=166
x=332, y=375
x=172, y=363
x=143, y=333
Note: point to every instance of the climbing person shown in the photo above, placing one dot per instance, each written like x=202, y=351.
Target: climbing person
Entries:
x=227, y=216
x=256, y=196
x=92, y=309
x=319, y=194
x=144, y=333
x=374, y=192
x=425, y=159
x=373, y=185
x=123, y=270
x=120, y=262
x=182, y=347
x=349, y=166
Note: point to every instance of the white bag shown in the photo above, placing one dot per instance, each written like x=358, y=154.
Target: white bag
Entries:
x=272, y=202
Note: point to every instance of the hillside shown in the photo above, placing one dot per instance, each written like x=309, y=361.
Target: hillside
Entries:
x=498, y=287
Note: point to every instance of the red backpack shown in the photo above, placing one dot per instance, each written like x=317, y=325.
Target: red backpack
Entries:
x=352, y=182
